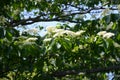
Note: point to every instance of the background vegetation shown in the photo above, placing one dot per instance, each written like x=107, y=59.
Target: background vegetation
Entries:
x=88, y=50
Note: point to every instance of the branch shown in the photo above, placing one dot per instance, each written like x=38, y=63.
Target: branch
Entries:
x=75, y=72
x=33, y=20
x=61, y=18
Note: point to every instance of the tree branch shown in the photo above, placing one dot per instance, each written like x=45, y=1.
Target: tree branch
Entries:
x=75, y=72
x=61, y=18
x=33, y=20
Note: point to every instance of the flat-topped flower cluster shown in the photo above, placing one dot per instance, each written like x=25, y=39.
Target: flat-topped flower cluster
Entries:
x=55, y=33
x=105, y=34
x=60, y=32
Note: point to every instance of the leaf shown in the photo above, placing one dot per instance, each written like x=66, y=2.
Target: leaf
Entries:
x=109, y=26
x=116, y=45
x=9, y=36
x=66, y=44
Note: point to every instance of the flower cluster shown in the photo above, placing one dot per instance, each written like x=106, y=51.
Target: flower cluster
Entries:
x=105, y=34
x=50, y=29
x=31, y=39
x=2, y=20
x=47, y=39
x=61, y=32
x=33, y=30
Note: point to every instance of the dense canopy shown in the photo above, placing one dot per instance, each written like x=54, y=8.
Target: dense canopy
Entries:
x=88, y=50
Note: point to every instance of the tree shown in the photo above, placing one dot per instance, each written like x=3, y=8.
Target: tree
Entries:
x=88, y=50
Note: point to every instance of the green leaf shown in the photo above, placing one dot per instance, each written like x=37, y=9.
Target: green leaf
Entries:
x=9, y=36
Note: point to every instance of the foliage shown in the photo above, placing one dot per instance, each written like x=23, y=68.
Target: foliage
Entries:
x=88, y=50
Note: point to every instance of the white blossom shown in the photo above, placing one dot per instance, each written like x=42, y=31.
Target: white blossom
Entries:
x=62, y=32
x=105, y=34
x=68, y=32
x=58, y=34
x=2, y=19
x=58, y=45
x=31, y=39
x=78, y=33
x=33, y=30
x=51, y=29
x=58, y=30
x=47, y=39
x=108, y=35
x=101, y=33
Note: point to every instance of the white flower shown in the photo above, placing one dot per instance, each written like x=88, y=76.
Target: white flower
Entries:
x=50, y=29
x=47, y=39
x=62, y=32
x=57, y=35
x=33, y=30
x=2, y=19
x=68, y=32
x=108, y=35
x=101, y=33
x=58, y=30
x=58, y=45
x=78, y=33
x=31, y=39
